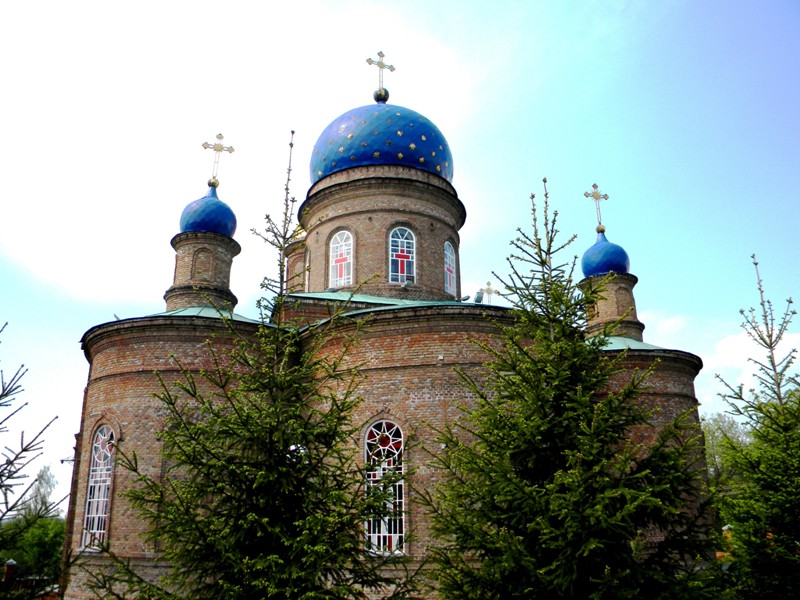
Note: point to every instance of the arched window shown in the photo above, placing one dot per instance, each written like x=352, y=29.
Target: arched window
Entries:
x=384, y=457
x=341, y=269
x=203, y=265
x=98, y=492
x=401, y=256
x=449, y=269
x=307, y=267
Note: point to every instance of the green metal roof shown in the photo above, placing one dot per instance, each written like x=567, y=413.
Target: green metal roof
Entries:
x=205, y=311
x=367, y=299
x=616, y=342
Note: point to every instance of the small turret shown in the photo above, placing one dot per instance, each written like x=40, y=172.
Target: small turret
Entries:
x=204, y=249
x=609, y=263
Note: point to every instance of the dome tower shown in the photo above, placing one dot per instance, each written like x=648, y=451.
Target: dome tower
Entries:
x=382, y=215
x=204, y=251
x=610, y=264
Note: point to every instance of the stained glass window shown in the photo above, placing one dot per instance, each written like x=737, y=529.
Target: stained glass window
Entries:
x=401, y=256
x=341, y=263
x=384, y=456
x=449, y=269
x=98, y=492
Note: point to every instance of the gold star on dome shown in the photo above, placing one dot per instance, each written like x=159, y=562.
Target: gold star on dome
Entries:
x=413, y=146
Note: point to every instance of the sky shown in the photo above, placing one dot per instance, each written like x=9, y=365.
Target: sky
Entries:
x=686, y=113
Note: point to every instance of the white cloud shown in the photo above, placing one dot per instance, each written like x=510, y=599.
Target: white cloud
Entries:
x=112, y=105
x=723, y=353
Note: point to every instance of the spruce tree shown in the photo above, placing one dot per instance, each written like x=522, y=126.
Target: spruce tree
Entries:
x=263, y=495
x=544, y=494
x=31, y=534
x=762, y=508
x=17, y=497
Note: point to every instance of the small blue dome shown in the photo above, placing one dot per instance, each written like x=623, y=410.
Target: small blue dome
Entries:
x=209, y=214
x=605, y=257
x=381, y=134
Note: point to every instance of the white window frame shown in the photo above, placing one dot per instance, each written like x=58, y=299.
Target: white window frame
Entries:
x=340, y=272
x=449, y=269
x=98, y=490
x=402, y=256
x=384, y=446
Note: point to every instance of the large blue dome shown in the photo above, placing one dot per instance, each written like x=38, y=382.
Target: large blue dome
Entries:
x=209, y=214
x=605, y=257
x=381, y=134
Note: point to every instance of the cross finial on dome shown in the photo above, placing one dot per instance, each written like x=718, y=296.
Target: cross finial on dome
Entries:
x=488, y=290
x=597, y=196
x=381, y=95
x=218, y=149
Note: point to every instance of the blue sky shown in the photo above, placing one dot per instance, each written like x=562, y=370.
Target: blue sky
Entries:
x=684, y=112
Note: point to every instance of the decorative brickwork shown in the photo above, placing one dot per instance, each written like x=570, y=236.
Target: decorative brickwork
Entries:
x=616, y=306
x=370, y=202
x=202, y=271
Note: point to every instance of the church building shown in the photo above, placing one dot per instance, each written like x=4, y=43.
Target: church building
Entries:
x=379, y=231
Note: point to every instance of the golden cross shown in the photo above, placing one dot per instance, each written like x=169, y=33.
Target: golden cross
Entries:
x=218, y=149
x=596, y=196
x=488, y=291
x=381, y=66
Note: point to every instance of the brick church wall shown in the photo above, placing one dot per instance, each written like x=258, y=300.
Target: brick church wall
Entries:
x=371, y=201
x=124, y=357
x=408, y=358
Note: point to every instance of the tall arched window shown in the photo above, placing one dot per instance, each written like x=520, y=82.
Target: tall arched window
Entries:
x=384, y=457
x=98, y=492
x=307, y=267
x=341, y=261
x=449, y=269
x=402, y=256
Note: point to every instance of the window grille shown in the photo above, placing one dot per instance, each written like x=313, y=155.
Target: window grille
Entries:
x=384, y=458
x=402, y=263
x=98, y=492
x=341, y=262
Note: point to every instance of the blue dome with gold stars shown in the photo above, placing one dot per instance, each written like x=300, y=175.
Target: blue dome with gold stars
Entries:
x=209, y=214
x=605, y=257
x=381, y=134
